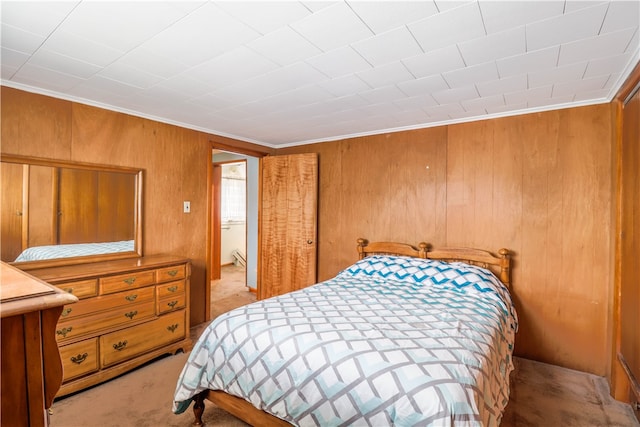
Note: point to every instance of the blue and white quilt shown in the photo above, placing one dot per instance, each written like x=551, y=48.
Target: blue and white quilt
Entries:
x=38, y=253
x=390, y=340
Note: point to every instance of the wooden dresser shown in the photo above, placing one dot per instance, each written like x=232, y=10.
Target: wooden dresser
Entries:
x=130, y=311
x=31, y=367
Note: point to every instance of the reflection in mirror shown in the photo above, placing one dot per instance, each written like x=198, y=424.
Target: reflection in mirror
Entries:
x=56, y=213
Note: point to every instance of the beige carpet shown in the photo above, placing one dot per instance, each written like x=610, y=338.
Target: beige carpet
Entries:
x=230, y=291
x=548, y=395
x=541, y=394
x=141, y=398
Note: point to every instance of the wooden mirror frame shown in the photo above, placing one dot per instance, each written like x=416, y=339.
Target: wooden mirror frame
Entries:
x=137, y=226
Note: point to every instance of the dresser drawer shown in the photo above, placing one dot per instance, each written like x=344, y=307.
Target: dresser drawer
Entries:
x=170, y=289
x=170, y=273
x=125, y=344
x=116, y=317
x=107, y=302
x=81, y=289
x=122, y=282
x=173, y=302
x=79, y=358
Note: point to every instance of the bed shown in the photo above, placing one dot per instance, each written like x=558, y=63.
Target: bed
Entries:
x=404, y=336
x=38, y=253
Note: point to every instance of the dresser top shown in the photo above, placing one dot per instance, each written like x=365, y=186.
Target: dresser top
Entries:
x=21, y=293
x=102, y=268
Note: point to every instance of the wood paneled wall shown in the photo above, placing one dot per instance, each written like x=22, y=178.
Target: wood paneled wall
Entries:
x=626, y=293
x=538, y=184
x=175, y=161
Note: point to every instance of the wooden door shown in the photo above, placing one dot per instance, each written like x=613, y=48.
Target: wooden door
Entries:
x=77, y=206
x=288, y=215
x=41, y=211
x=12, y=211
x=116, y=198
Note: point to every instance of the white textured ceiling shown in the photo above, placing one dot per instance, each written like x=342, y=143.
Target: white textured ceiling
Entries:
x=292, y=72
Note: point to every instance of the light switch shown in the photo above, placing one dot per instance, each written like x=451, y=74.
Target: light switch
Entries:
x=187, y=206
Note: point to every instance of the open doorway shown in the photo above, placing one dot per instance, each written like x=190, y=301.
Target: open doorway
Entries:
x=234, y=233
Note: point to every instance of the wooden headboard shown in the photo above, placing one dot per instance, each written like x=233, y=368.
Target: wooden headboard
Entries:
x=500, y=265
x=390, y=248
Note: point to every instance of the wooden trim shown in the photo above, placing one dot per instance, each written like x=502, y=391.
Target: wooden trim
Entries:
x=55, y=180
x=629, y=85
x=259, y=237
x=26, y=172
x=40, y=161
x=138, y=219
x=216, y=221
x=633, y=382
x=229, y=162
x=70, y=261
x=253, y=152
x=209, y=240
x=616, y=383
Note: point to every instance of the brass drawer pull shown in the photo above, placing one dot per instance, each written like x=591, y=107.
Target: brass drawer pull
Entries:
x=79, y=358
x=66, y=312
x=120, y=345
x=172, y=288
x=131, y=298
x=172, y=273
x=172, y=328
x=64, y=331
x=131, y=314
x=172, y=303
x=129, y=281
x=69, y=290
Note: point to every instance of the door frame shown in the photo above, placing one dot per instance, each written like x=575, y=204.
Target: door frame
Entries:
x=216, y=216
x=213, y=224
x=216, y=221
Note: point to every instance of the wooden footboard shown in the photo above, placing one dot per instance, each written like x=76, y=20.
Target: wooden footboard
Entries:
x=236, y=406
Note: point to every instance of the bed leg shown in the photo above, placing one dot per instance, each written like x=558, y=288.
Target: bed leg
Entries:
x=198, y=408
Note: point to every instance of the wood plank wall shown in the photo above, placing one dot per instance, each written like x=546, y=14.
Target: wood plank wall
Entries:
x=629, y=344
x=626, y=293
x=538, y=184
x=175, y=161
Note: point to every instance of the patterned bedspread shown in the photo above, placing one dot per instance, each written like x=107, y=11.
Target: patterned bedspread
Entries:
x=79, y=249
x=390, y=340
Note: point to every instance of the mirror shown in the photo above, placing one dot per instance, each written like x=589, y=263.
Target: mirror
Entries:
x=61, y=213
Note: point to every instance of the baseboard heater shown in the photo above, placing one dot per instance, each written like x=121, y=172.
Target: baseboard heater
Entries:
x=239, y=258
x=635, y=386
